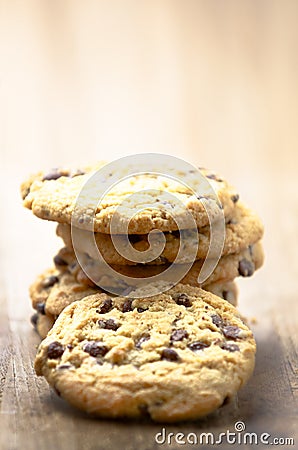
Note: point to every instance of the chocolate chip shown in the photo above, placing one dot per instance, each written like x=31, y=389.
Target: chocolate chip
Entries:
x=127, y=305
x=34, y=319
x=70, y=347
x=41, y=308
x=142, y=339
x=182, y=299
x=229, y=347
x=198, y=345
x=53, y=175
x=226, y=401
x=140, y=310
x=212, y=176
x=135, y=238
x=166, y=203
x=64, y=367
x=55, y=350
x=225, y=294
x=169, y=354
x=105, y=307
x=144, y=411
x=163, y=259
x=217, y=320
x=246, y=268
x=235, y=198
x=95, y=348
x=59, y=261
x=231, y=222
x=108, y=324
x=179, y=335
x=201, y=197
x=159, y=403
x=78, y=172
x=231, y=332
x=49, y=281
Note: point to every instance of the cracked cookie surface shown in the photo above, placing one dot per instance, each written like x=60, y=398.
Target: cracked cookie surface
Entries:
x=176, y=356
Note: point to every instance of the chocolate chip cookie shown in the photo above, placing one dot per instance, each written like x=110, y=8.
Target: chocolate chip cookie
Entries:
x=53, y=290
x=53, y=196
x=229, y=267
x=176, y=356
x=244, y=228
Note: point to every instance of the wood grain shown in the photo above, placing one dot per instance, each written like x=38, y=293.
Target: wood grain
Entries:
x=214, y=83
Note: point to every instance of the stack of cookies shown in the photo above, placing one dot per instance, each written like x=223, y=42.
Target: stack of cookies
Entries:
x=117, y=350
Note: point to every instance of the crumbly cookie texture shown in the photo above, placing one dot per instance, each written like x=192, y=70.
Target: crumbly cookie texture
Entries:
x=177, y=356
x=244, y=228
x=244, y=264
x=144, y=201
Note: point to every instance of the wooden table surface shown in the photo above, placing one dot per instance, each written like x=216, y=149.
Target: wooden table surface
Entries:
x=216, y=85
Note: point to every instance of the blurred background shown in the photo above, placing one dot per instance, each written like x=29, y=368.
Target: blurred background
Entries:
x=213, y=82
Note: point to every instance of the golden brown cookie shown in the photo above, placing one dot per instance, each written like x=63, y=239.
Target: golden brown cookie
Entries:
x=244, y=228
x=229, y=267
x=53, y=290
x=53, y=196
x=43, y=322
x=176, y=356
x=225, y=289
